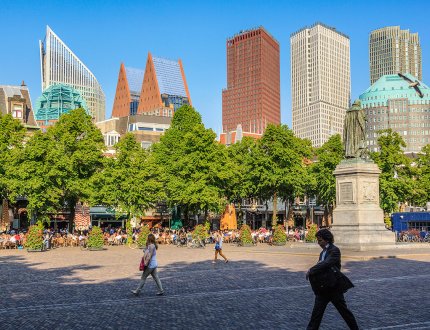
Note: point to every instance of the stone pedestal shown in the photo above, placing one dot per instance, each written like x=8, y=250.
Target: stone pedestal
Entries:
x=358, y=220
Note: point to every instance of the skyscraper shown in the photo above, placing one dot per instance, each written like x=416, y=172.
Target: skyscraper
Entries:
x=164, y=87
x=59, y=65
x=394, y=51
x=252, y=97
x=320, y=82
x=128, y=91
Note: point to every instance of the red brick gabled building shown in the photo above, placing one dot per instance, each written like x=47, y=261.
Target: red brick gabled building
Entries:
x=164, y=87
x=127, y=93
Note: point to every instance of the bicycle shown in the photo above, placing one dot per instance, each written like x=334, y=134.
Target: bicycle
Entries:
x=196, y=244
x=83, y=245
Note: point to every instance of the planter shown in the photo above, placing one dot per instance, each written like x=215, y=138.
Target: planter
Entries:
x=246, y=244
x=279, y=243
x=96, y=248
x=36, y=250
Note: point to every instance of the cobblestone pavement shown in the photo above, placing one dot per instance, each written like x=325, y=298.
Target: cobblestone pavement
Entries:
x=260, y=288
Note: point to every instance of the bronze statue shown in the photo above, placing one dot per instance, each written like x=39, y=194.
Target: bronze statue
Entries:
x=354, y=132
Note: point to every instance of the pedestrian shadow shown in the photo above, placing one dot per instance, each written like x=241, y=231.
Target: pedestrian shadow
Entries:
x=242, y=294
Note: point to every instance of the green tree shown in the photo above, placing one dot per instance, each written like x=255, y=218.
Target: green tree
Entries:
x=328, y=156
x=56, y=166
x=423, y=176
x=12, y=135
x=396, y=180
x=37, y=177
x=240, y=183
x=280, y=168
x=193, y=163
x=129, y=181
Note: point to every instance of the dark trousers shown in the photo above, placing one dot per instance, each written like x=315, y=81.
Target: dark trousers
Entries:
x=338, y=300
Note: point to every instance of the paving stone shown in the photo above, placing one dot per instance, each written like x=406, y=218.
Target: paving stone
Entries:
x=260, y=288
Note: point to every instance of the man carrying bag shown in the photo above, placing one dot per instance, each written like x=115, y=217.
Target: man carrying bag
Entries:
x=328, y=283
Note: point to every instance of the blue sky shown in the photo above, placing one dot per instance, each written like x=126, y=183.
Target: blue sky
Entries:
x=105, y=33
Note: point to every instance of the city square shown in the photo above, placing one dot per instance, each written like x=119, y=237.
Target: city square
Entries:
x=261, y=287
x=146, y=138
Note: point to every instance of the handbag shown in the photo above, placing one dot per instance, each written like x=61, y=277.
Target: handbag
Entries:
x=344, y=283
x=217, y=247
x=142, y=264
x=330, y=280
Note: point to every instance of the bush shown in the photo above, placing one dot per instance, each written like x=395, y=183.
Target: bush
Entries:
x=310, y=236
x=387, y=221
x=200, y=232
x=245, y=235
x=95, y=238
x=129, y=231
x=279, y=235
x=143, y=236
x=34, y=237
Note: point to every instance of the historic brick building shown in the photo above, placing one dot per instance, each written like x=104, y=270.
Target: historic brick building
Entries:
x=16, y=101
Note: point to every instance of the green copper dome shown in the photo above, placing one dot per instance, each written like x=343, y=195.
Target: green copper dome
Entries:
x=57, y=100
x=394, y=86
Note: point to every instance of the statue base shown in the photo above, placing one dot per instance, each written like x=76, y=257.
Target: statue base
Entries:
x=358, y=220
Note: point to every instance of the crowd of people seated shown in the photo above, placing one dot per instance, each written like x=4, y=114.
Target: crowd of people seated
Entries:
x=12, y=240
x=118, y=236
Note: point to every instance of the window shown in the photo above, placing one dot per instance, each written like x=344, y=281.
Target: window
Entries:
x=17, y=110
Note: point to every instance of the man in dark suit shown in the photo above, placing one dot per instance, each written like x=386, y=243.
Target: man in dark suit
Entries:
x=325, y=291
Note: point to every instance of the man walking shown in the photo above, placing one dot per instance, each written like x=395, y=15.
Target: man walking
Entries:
x=324, y=277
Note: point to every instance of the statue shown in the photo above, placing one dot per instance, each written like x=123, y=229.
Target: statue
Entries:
x=354, y=132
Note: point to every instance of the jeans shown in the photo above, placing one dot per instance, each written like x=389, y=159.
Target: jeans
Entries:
x=150, y=271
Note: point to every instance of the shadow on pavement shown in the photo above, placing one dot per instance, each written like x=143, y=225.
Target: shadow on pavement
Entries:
x=243, y=294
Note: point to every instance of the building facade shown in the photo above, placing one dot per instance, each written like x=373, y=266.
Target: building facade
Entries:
x=59, y=65
x=147, y=129
x=164, y=87
x=128, y=90
x=55, y=101
x=320, y=82
x=15, y=100
x=392, y=103
x=393, y=51
x=252, y=97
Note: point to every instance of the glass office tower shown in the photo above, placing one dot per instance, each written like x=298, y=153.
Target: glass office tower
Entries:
x=59, y=65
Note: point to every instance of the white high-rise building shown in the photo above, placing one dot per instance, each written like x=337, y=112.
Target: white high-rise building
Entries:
x=320, y=82
x=394, y=51
x=59, y=65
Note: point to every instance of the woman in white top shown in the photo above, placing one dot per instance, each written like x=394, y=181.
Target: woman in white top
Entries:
x=218, y=247
x=150, y=257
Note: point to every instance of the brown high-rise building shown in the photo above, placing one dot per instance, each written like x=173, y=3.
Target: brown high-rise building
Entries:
x=252, y=96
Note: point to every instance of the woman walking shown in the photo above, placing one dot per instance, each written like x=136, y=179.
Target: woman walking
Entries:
x=150, y=260
x=218, y=247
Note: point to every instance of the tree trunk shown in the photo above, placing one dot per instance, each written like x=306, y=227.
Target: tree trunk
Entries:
x=290, y=216
x=275, y=210
x=4, y=216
